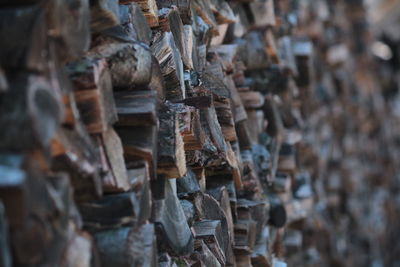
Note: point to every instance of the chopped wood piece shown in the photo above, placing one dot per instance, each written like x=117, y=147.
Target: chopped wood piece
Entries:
x=93, y=94
x=203, y=256
x=169, y=58
x=114, y=152
x=129, y=64
x=169, y=215
x=104, y=14
x=134, y=22
x=222, y=12
x=188, y=184
x=183, y=7
x=245, y=235
x=171, y=153
x=210, y=232
x=136, y=108
x=260, y=255
x=140, y=143
x=127, y=246
x=149, y=8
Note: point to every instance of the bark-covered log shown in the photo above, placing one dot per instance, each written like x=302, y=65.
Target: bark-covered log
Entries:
x=169, y=58
x=134, y=22
x=127, y=247
x=136, y=108
x=129, y=64
x=149, y=8
x=174, y=230
x=171, y=153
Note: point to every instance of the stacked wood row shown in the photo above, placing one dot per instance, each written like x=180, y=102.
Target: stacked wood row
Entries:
x=154, y=133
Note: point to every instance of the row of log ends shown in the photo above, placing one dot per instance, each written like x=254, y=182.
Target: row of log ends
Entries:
x=147, y=132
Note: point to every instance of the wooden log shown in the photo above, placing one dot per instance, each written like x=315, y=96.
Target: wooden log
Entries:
x=188, y=184
x=114, y=153
x=140, y=143
x=33, y=106
x=73, y=151
x=169, y=58
x=93, y=94
x=134, y=22
x=174, y=233
x=136, y=108
x=245, y=236
x=127, y=246
x=202, y=8
x=222, y=12
x=225, y=118
x=26, y=55
x=208, y=208
x=210, y=232
x=203, y=255
x=255, y=124
x=149, y=8
x=183, y=7
x=129, y=64
x=157, y=82
x=171, y=153
x=70, y=26
x=260, y=254
x=5, y=252
x=104, y=14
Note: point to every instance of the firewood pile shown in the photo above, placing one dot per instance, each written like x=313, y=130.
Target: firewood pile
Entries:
x=179, y=133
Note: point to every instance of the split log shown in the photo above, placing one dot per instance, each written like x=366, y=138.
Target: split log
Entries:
x=225, y=118
x=222, y=12
x=188, y=184
x=169, y=58
x=260, y=255
x=189, y=126
x=174, y=230
x=149, y=8
x=302, y=50
x=157, y=82
x=129, y=64
x=104, y=14
x=202, y=8
x=203, y=255
x=127, y=246
x=134, y=22
x=171, y=153
x=245, y=236
x=69, y=24
x=140, y=143
x=210, y=232
x=208, y=208
x=73, y=151
x=114, y=154
x=255, y=124
x=93, y=94
x=136, y=108
x=114, y=211
x=183, y=7
x=32, y=105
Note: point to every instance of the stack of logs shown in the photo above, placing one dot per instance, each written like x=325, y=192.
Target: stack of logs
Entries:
x=152, y=132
